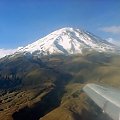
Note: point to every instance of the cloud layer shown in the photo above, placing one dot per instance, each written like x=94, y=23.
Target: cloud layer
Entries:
x=113, y=41
x=4, y=52
x=111, y=29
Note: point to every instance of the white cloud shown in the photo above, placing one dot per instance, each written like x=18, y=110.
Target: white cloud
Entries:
x=110, y=40
x=4, y=52
x=111, y=29
x=113, y=41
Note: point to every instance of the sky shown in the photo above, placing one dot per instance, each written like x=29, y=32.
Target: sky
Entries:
x=24, y=21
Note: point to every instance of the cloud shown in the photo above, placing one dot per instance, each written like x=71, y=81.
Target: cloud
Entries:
x=4, y=52
x=111, y=29
x=113, y=41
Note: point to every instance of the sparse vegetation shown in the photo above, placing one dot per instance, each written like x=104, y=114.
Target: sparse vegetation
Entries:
x=51, y=88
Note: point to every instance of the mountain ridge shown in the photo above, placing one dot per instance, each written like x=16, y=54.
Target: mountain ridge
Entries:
x=67, y=41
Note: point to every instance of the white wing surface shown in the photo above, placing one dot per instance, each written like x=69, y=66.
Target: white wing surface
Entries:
x=107, y=98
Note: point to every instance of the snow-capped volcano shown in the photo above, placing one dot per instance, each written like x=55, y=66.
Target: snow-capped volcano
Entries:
x=67, y=41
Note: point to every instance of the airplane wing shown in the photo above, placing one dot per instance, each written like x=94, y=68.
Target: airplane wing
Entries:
x=107, y=98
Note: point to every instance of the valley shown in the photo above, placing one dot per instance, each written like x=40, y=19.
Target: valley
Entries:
x=52, y=86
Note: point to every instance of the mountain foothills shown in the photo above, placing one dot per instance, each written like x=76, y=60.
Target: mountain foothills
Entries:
x=44, y=80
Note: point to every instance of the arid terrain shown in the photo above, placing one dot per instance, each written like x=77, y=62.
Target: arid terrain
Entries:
x=50, y=88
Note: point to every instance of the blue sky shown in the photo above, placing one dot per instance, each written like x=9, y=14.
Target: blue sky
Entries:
x=24, y=21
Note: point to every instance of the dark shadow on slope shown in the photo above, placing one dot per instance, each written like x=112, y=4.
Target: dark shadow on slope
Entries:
x=60, y=47
x=48, y=103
